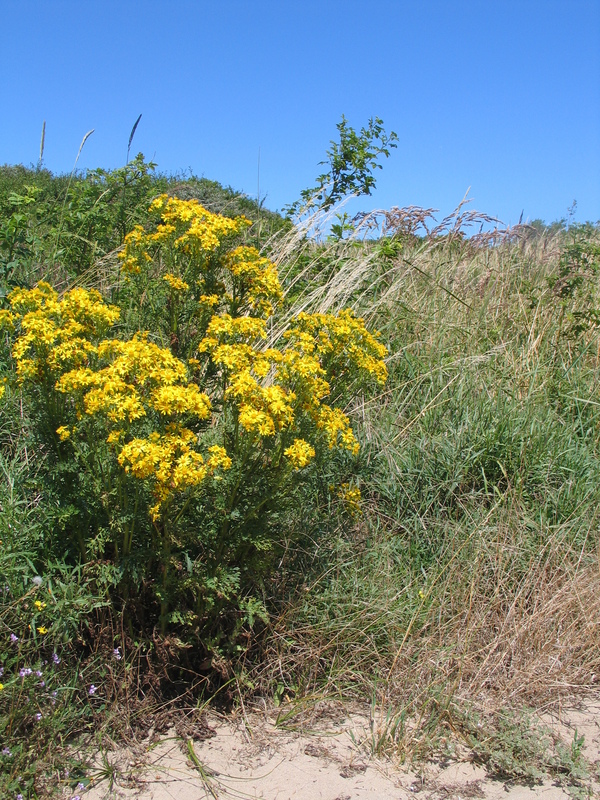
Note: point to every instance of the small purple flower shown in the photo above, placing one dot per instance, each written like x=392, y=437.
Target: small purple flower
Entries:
x=41, y=684
x=55, y=658
x=116, y=654
x=1, y=671
x=80, y=786
x=38, y=672
x=14, y=638
x=92, y=690
x=38, y=716
x=76, y=797
x=6, y=751
x=24, y=672
x=19, y=796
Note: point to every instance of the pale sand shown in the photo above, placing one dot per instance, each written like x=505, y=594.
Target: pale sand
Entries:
x=249, y=757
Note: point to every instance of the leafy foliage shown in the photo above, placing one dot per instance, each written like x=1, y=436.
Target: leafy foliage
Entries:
x=351, y=163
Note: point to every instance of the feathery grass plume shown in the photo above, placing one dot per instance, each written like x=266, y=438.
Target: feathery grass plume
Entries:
x=60, y=223
x=42, y=142
x=83, y=141
x=131, y=135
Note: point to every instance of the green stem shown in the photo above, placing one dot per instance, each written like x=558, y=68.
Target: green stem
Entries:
x=164, y=604
x=128, y=537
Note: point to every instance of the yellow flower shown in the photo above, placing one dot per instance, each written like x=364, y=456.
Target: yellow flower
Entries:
x=1, y=687
x=42, y=630
x=181, y=399
x=39, y=605
x=63, y=433
x=56, y=335
x=218, y=458
x=7, y=320
x=208, y=300
x=170, y=462
x=176, y=283
x=351, y=499
x=300, y=453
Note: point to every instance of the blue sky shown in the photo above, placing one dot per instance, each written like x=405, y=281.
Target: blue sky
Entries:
x=502, y=96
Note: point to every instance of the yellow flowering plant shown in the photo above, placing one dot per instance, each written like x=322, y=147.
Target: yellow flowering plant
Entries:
x=188, y=421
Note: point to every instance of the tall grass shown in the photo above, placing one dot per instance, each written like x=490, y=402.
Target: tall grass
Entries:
x=471, y=580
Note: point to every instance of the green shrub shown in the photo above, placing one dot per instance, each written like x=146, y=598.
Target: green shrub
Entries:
x=177, y=426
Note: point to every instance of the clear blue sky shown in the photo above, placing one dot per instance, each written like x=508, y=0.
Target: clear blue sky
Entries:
x=499, y=95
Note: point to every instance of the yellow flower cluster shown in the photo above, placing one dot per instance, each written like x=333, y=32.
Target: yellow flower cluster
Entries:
x=170, y=462
x=208, y=300
x=185, y=226
x=119, y=381
x=258, y=277
x=275, y=389
x=351, y=498
x=7, y=320
x=299, y=453
x=268, y=391
x=343, y=337
x=183, y=243
x=139, y=376
x=176, y=283
x=56, y=334
x=202, y=228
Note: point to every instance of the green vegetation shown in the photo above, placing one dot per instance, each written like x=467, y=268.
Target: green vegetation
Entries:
x=208, y=485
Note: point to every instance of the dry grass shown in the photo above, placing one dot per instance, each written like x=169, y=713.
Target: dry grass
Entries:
x=472, y=581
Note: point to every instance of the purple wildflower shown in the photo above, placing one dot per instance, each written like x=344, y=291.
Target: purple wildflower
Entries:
x=80, y=786
x=42, y=684
x=93, y=689
x=24, y=672
x=1, y=671
x=55, y=658
x=14, y=638
x=38, y=716
x=117, y=654
x=38, y=672
x=6, y=751
x=19, y=796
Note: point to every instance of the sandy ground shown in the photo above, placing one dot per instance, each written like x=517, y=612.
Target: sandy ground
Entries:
x=249, y=756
